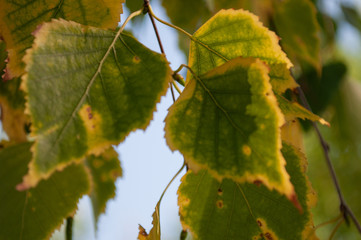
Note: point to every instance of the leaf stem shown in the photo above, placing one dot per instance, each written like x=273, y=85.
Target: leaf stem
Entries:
x=69, y=228
x=344, y=208
x=336, y=228
x=174, y=177
x=157, y=207
x=186, y=33
x=148, y=9
x=176, y=87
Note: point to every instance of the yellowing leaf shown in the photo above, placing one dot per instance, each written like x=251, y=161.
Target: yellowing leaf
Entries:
x=233, y=33
x=104, y=169
x=37, y=212
x=210, y=209
x=18, y=20
x=87, y=88
x=298, y=27
x=228, y=121
x=293, y=110
x=230, y=34
x=154, y=233
x=281, y=78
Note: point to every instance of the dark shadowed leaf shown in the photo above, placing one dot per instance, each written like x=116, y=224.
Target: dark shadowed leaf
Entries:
x=37, y=212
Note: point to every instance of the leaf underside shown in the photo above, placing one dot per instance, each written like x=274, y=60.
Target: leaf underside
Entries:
x=19, y=19
x=36, y=213
x=81, y=99
x=228, y=210
x=228, y=121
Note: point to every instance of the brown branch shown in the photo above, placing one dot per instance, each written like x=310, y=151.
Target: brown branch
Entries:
x=344, y=208
x=146, y=10
x=69, y=228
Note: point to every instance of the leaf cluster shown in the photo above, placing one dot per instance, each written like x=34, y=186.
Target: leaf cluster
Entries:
x=74, y=85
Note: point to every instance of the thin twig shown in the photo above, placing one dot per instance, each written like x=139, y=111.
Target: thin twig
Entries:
x=69, y=228
x=344, y=208
x=146, y=10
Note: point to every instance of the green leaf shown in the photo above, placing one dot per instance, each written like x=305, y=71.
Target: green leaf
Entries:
x=87, y=88
x=281, y=78
x=37, y=212
x=228, y=121
x=233, y=33
x=187, y=14
x=104, y=169
x=228, y=210
x=292, y=110
x=230, y=34
x=19, y=20
x=297, y=25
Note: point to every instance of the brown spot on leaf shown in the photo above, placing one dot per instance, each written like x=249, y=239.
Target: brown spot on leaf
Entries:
x=136, y=59
x=220, y=191
x=90, y=115
x=219, y=204
x=257, y=183
x=296, y=203
x=268, y=236
x=259, y=223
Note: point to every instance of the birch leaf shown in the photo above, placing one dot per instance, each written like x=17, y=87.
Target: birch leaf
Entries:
x=233, y=33
x=19, y=19
x=210, y=209
x=228, y=121
x=230, y=34
x=37, y=212
x=87, y=88
x=104, y=169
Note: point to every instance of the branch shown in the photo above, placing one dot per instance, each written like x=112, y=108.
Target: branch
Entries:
x=69, y=228
x=344, y=208
x=146, y=10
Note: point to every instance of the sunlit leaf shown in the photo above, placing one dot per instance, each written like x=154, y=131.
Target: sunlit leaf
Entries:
x=19, y=19
x=35, y=213
x=281, y=78
x=104, y=169
x=154, y=233
x=261, y=8
x=228, y=121
x=230, y=34
x=297, y=25
x=293, y=110
x=233, y=33
x=210, y=209
x=87, y=89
